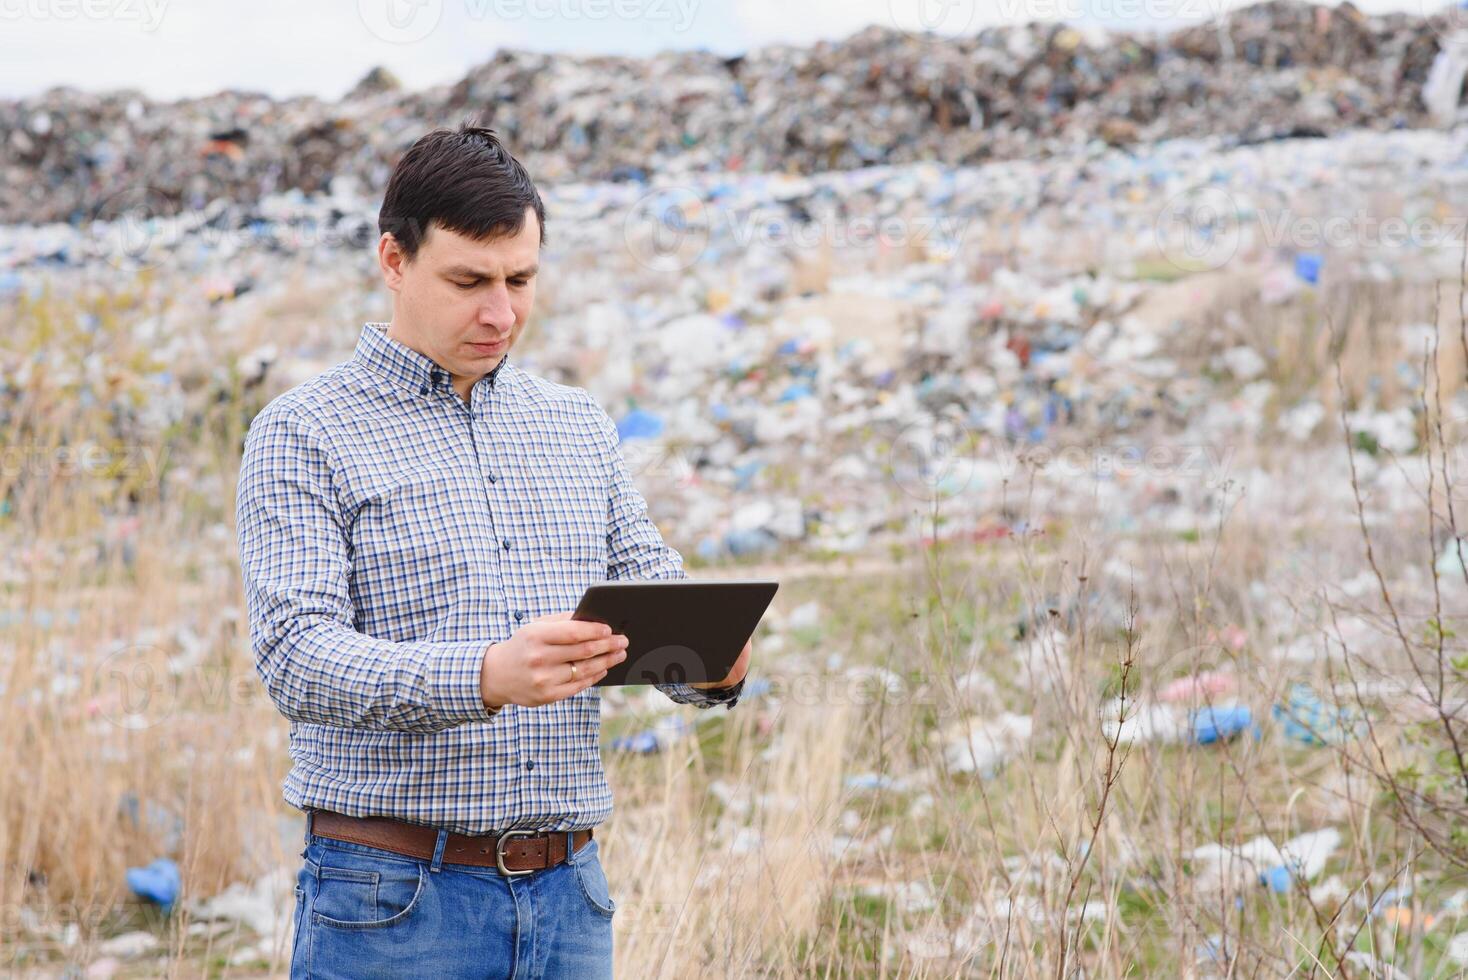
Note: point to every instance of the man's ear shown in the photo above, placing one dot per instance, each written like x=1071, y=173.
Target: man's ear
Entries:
x=391, y=259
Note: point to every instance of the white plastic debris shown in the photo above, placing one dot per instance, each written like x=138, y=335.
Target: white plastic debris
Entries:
x=1243, y=362
x=1305, y=856
x=262, y=906
x=1144, y=722
x=983, y=745
x=129, y=945
x=1443, y=89
x=1308, y=853
x=1458, y=949
x=805, y=616
x=103, y=969
x=908, y=896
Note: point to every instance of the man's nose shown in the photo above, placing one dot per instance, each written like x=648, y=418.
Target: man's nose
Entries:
x=495, y=311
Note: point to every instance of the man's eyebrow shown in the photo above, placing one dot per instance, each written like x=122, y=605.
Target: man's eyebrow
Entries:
x=464, y=270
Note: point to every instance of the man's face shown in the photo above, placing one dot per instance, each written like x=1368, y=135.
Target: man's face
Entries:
x=460, y=302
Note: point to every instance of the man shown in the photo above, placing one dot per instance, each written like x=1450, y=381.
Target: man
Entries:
x=415, y=526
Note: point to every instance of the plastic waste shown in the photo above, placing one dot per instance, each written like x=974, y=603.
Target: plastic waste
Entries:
x=1214, y=723
x=157, y=882
x=1309, y=720
x=983, y=745
x=1304, y=856
x=1308, y=266
x=638, y=424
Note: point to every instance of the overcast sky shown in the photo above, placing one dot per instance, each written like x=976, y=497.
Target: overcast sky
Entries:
x=173, y=48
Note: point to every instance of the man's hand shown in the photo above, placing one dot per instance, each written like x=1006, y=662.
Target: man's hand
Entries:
x=736, y=673
x=533, y=667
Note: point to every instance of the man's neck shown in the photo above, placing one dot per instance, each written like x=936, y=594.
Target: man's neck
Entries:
x=465, y=384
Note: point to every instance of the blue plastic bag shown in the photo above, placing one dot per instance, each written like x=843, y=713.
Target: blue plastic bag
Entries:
x=158, y=882
x=1219, y=724
x=638, y=424
x=1308, y=265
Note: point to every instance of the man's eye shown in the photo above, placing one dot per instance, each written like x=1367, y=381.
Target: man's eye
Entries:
x=466, y=285
x=517, y=283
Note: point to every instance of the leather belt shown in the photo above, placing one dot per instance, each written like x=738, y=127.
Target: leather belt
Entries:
x=514, y=852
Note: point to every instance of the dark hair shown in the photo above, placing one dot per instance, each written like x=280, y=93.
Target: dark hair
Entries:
x=466, y=181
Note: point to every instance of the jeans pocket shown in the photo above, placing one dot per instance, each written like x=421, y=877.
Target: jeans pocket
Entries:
x=358, y=891
x=300, y=906
x=593, y=881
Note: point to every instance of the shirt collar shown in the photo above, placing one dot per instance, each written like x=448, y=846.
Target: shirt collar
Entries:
x=404, y=366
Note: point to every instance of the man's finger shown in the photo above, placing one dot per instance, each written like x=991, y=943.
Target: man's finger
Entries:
x=600, y=663
x=577, y=652
x=584, y=679
x=588, y=672
x=571, y=631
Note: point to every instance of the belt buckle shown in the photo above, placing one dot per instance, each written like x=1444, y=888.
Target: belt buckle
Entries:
x=499, y=853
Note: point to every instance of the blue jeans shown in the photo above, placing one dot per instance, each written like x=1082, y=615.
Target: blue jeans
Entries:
x=366, y=912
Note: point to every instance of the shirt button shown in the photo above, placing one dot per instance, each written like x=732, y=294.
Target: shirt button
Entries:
x=506, y=543
x=529, y=763
x=491, y=478
x=519, y=615
x=423, y=390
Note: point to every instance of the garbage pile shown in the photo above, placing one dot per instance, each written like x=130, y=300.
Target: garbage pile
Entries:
x=811, y=361
x=880, y=96
x=802, y=365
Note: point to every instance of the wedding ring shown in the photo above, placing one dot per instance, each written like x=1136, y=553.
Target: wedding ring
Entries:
x=573, y=672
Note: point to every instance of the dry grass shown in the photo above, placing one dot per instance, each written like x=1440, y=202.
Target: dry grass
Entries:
x=745, y=851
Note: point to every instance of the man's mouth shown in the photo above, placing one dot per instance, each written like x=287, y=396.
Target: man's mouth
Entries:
x=490, y=348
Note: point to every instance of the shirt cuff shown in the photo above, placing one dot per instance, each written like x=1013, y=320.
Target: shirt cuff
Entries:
x=704, y=698
x=455, y=694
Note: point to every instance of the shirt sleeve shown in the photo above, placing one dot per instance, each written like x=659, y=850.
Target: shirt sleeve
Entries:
x=296, y=564
x=636, y=550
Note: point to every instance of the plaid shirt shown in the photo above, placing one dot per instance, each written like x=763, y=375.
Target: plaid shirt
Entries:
x=389, y=532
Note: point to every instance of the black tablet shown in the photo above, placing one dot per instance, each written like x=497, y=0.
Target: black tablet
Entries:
x=677, y=631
